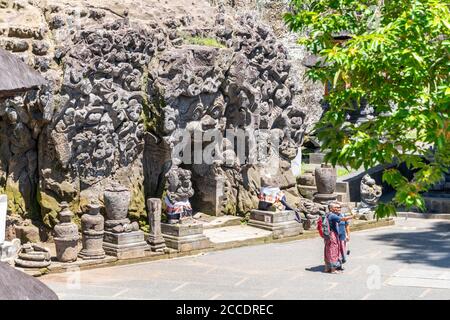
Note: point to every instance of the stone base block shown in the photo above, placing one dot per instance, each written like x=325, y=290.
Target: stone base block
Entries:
x=325, y=198
x=185, y=237
x=281, y=223
x=91, y=254
x=126, y=245
x=156, y=244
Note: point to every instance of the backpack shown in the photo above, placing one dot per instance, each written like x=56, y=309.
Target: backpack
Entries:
x=323, y=226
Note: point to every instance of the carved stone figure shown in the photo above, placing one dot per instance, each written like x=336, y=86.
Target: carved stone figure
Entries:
x=66, y=236
x=370, y=195
x=92, y=228
x=33, y=256
x=179, y=190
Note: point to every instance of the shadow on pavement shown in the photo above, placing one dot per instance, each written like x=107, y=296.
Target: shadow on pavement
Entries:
x=319, y=268
x=430, y=247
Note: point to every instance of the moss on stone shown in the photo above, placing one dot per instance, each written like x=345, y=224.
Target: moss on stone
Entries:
x=230, y=208
x=152, y=115
x=204, y=41
x=16, y=202
x=49, y=208
x=137, y=202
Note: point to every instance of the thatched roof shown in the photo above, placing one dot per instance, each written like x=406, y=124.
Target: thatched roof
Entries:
x=16, y=76
x=17, y=285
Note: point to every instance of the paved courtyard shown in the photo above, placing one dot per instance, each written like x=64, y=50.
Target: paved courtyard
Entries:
x=410, y=260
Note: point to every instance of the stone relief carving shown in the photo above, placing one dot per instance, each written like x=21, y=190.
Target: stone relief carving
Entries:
x=117, y=81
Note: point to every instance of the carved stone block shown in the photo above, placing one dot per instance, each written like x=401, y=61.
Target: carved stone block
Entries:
x=185, y=237
x=281, y=223
x=126, y=245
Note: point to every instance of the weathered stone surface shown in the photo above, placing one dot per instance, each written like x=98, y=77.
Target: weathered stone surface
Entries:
x=123, y=77
x=155, y=239
x=92, y=228
x=66, y=236
x=28, y=233
x=185, y=237
x=125, y=245
x=33, y=256
x=9, y=251
x=370, y=195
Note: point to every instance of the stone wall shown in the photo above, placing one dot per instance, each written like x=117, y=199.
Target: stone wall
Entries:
x=123, y=76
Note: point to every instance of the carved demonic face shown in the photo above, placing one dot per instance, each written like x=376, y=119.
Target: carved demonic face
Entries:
x=179, y=185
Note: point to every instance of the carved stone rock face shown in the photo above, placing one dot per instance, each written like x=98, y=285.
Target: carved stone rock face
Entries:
x=116, y=81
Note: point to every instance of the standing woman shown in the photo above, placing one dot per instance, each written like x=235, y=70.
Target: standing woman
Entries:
x=332, y=244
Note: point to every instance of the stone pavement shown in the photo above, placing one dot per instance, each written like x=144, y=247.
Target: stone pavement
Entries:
x=410, y=260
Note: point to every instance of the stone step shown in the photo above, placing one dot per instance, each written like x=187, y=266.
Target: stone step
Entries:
x=211, y=222
x=241, y=233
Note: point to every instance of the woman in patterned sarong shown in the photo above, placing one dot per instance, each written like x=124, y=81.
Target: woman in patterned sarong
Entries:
x=332, y=252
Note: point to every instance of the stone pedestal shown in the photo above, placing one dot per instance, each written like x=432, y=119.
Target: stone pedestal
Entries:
x=125, y=245
x=185, y=237
x=281, y=223
x=155, y=239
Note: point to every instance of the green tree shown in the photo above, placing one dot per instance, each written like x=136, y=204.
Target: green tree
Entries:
x=398, y=60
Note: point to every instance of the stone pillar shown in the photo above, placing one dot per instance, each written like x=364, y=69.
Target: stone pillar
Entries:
x=66, y=236
x=155, y=239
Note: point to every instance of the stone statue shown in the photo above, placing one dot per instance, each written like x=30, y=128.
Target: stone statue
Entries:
x=178, y=191
x=370, y=195
x=92, y=228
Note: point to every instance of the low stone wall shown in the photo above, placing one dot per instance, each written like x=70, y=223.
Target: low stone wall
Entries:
x=109, y=261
